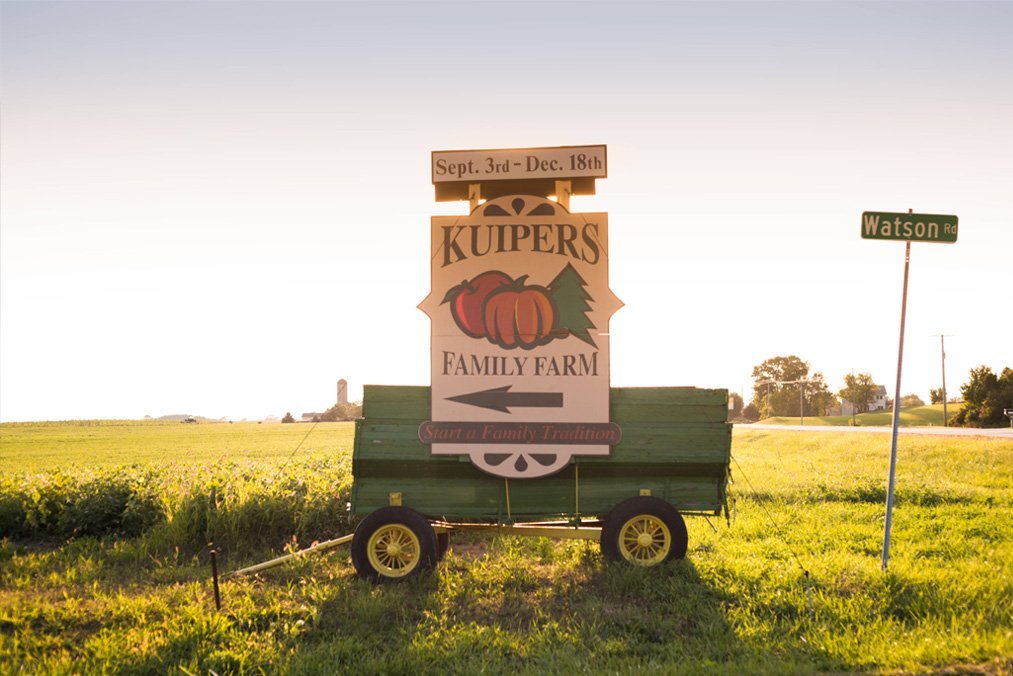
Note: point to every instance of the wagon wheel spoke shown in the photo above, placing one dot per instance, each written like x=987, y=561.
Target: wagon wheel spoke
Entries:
x=645, y=539
x=395, y=549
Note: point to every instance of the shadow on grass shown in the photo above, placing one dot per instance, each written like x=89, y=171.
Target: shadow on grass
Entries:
x=495, y=606
x=509, y=613
x=499, y=606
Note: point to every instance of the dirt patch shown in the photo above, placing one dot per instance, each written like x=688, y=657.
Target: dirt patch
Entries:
x=472, y=551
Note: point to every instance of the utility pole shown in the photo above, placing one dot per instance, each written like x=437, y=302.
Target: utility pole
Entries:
x=853, y=405
x=766, y=402
x=801, y=396
x=801, y=402
x=942, y=354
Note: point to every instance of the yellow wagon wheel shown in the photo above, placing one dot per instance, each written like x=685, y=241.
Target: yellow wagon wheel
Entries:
x=645, y=540
x=393, y=544
x=394, y=550
x=644, y=531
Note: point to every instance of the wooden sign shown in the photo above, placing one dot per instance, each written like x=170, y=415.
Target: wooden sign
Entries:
x=520, y=308
x=478, y=166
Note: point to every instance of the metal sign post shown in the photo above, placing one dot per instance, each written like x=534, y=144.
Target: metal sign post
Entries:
x=906, y=227
x=896, y=415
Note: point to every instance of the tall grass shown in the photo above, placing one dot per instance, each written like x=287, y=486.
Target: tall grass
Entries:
x=241, y=506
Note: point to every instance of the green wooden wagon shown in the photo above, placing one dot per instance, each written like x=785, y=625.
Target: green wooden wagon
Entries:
x=673, y=460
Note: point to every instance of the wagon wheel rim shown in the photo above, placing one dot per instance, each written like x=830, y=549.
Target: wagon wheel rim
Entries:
x=394, y=550
x=645, y=540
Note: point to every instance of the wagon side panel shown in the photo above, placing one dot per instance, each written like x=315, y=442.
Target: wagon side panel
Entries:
x=675, y=445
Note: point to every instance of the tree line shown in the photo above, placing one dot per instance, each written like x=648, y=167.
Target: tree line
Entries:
x=987, y=397
x=350, y=411
x=786, y=386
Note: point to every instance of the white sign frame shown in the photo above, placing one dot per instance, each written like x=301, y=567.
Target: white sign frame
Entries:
x=520, y=308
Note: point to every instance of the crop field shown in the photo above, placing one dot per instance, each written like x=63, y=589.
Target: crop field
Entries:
x=104, y=568
x=112, y=443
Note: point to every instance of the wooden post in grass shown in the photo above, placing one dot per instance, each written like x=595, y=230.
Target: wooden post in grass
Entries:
x=214, y=575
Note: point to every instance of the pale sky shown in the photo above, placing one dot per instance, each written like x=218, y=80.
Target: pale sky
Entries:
x=221, y=208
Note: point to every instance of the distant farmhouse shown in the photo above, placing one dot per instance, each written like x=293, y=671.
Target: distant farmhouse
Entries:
x=877, y=404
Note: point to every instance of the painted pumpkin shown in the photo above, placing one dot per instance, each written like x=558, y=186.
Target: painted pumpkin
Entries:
x=467, y=298
x=519, y=316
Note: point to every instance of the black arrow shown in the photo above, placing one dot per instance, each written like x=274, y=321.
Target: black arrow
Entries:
x=501, y=398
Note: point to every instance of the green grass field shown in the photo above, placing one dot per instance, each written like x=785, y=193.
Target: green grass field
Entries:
x=138, y=600
x=916, y=416
x=111, y=443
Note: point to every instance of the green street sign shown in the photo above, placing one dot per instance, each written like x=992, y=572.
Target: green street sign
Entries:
x=909, y=227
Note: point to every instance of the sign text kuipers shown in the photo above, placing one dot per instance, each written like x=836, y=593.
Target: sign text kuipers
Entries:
x=520, y=308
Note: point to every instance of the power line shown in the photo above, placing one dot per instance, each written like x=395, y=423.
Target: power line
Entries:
x=773, y=521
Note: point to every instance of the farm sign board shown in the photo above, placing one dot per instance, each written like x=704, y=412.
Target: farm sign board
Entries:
x=520, y=308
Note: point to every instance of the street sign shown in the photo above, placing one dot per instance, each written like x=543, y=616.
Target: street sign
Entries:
x=561, y=162
x=520, y=309
x=909, y=227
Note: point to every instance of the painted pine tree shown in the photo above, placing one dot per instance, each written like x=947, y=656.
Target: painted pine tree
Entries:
x=572, y=301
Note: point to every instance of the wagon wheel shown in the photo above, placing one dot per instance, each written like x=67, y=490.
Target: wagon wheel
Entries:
x=644, y=531
x=393, y=543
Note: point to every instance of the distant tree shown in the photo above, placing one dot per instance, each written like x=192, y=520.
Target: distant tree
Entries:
x=911, y=400
x=734, y=405
x=288, y=418
x=860, y=390
x=985, y=397
x=819, y=399
x=936, y=396
x=750, y=412
x=770, y=395
x=342, y=412
x=776, y=388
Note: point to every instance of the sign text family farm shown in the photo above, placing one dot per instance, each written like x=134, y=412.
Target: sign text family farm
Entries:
x=520, y=308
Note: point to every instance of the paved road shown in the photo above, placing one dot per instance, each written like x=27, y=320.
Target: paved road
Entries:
x=1001, y=433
